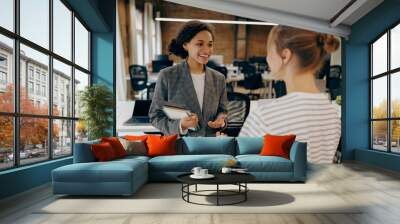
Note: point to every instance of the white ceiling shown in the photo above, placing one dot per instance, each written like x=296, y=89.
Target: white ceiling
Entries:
x=320, y=9
x=307, y=14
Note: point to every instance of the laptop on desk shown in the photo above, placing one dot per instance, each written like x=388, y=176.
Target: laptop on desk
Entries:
x=140, y=114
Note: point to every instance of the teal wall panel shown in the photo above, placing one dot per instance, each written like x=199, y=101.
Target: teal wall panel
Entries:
x=356, y=100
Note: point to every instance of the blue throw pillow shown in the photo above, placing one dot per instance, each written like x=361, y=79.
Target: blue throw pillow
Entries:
x=249, y=145
x=208, y=145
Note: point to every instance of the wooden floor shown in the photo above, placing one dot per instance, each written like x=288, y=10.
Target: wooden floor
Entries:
x=377, y=188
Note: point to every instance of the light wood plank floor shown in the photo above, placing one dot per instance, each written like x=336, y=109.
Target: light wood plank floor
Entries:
x=379, y=189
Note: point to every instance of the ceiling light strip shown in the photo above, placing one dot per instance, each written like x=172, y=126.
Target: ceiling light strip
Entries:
x=217, y=21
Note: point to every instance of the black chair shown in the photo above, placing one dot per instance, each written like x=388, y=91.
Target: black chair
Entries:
x=252, y=80
x=139, y=78
x=220, y=68
x=279, y=88
x=238, y=109
x=157, y=65
x=333, y=81
x=162, y=57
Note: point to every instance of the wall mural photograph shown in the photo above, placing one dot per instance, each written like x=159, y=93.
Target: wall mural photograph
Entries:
x=277, y=80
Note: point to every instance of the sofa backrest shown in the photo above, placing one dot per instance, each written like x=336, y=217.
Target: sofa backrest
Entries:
x=207, y=145
x=249, y=145
x=83, y=153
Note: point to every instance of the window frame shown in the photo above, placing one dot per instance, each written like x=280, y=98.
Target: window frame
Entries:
x=388, y=74
x=16, y=114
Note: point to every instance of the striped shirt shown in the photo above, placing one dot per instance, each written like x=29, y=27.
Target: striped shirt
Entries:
x=309, y=116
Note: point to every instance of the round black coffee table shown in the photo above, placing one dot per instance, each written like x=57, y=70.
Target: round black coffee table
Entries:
x=238, y=179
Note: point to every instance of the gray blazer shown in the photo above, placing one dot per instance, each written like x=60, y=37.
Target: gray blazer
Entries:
x=174, y=85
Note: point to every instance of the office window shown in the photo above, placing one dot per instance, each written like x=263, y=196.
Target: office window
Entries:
x=385, y=92
x=63, y=73
x=3, y=72
x=7, y=14
x=81, y=81
x=3, y=78
x=37, y=74
x=81, y=45
x=30, y=72
x=62, y=141
x=33, y=140
x=35, y=21
x=40, y=62
x=6, y=142
x=50, y=135
x=44, y=91
x=395, y=47
x=62, y=29
x=30, y=88
x=6, y=71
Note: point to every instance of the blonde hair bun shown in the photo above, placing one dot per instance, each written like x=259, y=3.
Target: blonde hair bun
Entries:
x=331, y=43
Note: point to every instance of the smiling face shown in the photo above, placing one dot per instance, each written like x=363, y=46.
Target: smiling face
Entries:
x=200, y=47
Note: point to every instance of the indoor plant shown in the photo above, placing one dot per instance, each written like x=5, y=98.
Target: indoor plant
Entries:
x=96, y=102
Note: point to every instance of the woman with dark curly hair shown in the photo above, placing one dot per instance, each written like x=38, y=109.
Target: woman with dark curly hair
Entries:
x=191, y=85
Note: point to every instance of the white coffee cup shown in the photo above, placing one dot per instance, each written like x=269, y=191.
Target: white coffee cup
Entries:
x=226, y=170
x=196, y=170
x=203, y=172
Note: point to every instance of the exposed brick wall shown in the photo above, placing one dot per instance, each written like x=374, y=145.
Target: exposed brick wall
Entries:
x=225, y=40
x=257, y=40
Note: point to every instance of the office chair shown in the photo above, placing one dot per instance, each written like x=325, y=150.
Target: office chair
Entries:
x=238, y=110
x=161, y=57
x=138, y=75
x=220, y=68
x=333, y=81
x=158, y=65
x=252, y=81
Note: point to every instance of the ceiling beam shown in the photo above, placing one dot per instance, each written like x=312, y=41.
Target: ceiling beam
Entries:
x=267, y=15
x=346, y=12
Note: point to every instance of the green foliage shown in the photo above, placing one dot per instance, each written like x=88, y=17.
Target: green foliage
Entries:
x=97, y=103
x=339, y=100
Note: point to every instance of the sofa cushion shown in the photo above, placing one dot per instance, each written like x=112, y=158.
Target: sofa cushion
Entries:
x=112, y=171
x=134, y=147
x=185, y=163
x=277, y=145
x=208, y=145
x=161, y=145
x=116, y=145
x=249, y=145
x=103, y=152
x=257, y=163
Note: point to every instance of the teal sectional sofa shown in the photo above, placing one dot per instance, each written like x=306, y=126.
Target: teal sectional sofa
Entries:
x=125, y=176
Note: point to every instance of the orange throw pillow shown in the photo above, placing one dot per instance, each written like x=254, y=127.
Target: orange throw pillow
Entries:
x=136, y=137
x=116, y=145
x=161, y=145
x=103, y=152
x=275, y=145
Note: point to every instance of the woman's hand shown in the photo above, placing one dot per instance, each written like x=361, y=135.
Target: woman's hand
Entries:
x=218, y=123
x=191, y=121
x=220, y=134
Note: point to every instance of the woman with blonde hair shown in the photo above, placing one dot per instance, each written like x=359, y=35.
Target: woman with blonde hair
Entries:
x=295, y=56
